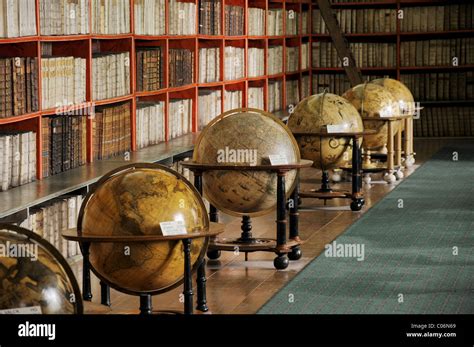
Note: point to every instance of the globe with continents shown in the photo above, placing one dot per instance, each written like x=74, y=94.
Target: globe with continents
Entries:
x=132, y=201
x=400, y=92
x=34, y=277
x=244, y=137
x=313, y=115
x=375, y=102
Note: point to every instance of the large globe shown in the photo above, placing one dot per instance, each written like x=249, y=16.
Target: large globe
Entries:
x=244, y=136
x=313, y=114
x=376, y=102
x=132, y=201
x=34, y=276
x=400, y=92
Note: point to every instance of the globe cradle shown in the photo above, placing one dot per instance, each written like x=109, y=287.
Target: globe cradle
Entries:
x=374, y=101
x=132, y=202
x=246, y=131
x=313, y=114
x=34, y=274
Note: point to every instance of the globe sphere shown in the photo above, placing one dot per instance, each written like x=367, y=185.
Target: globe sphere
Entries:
x=314, y=114
x=132, y=201
x=34, y=276
x=400, y=92
x=244, y=137
x=376, y=102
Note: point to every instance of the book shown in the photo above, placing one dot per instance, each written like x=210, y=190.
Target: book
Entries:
x=209, y=106
x=17, y=18
x=149, y=17
x=181, y=63
x=150, y=123
x=210, y=17
x=149, y=69
x=234, y=63
x=209, y=64
x=180, y=117
x=182, y=18
x=110, y=17
x=64, y=17
x=110, y=75
x=232, y=99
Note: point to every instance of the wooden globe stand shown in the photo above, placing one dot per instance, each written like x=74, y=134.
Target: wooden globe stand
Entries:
x=325, y=192
x=285, y=249
x=146, y=298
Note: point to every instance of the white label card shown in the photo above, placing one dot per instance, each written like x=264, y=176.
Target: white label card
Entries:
x=278, y=159
x=173, y=228
x=22, y=310
x=338, y=128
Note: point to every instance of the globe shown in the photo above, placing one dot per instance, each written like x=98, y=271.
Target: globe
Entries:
x=374, y=101
x=400, y=92
x=313, y=114
x=132, y=201
x=244, y=137
x=34, y=276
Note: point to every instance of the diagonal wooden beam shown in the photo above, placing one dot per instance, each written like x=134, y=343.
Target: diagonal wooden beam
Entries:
x=339, y=40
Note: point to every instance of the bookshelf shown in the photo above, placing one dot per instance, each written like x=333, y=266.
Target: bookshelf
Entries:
x=459, y=26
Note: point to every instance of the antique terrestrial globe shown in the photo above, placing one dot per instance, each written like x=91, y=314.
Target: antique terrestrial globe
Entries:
x=313, y=115
x=400, y=92
x=244, y=137
x=131, y=202
x=375, y=102
x=34, y=276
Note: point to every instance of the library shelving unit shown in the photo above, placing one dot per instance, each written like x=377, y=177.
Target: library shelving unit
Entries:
x=16, y=202
x=400, y=36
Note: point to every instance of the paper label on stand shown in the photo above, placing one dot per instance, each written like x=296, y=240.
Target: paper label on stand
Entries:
x=278, y=159
x=173, y=228
x=22, y=310
x=337, y=128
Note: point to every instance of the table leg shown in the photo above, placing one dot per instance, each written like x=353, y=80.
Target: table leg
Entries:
x=86, y=272
x=295, y=253
x=357, y=199
x=104, y=294
x=188, y=280
x=281, y=261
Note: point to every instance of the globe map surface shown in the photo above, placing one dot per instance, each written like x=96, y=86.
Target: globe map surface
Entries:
x=133, y=202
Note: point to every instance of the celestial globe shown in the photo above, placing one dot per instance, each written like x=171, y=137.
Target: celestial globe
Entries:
x=244, y=137
x=34, y=276
x=312, y=115
x=376, y=102
x=132, y=201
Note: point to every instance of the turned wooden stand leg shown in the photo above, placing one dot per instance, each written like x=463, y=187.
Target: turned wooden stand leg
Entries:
x=357, y=199
x=295, y=253
x=389, y=176
x=145, y=304
x=281, y=261
x=86, y=272
x=188, y=280
x=406, y=139
x=213, y=217
x=398, y=152
x=104, y=294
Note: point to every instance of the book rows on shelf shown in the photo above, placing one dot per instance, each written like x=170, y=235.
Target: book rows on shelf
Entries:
x=209, y=106
x=17, y=18
x=63, y=81
x=292, y=92
x=441, y=85
x=182, y=18
x=334, y=83
x=111, y=131
x=452, y=52
x=150, y=118
x=18, y=86
x=59, y=17
x=275, y=60
x=234, y=63
x=64, y=143
x=372, y=20
x=17, y=158
x=292, y=58
x=180, y=117
x=188, y=174
x=275, y=94
x=149, y=17
x=305, y=86
x=210, y=17
x=110, y=75
x=53, y=218
x=256, y=19
x=437, y=18
x=110, y=17
x=255, y=97
x=232, y=99
x=209, y=64
x=234, y=24
x=445, y=121
x=149, y=69
x=305, y=56
x=275, y=22
x=256, y=62
x=181, y=65
x=366, y=54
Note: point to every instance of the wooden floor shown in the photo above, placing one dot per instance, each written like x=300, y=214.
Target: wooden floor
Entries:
x=242, y=287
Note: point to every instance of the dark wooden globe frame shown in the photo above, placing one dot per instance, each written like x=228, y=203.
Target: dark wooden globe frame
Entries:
x=145, y=297
x=56, y=254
